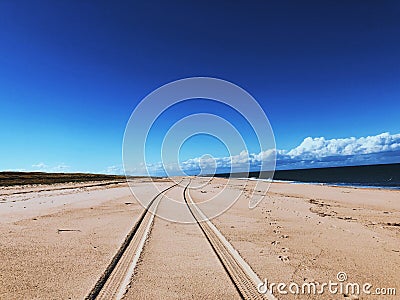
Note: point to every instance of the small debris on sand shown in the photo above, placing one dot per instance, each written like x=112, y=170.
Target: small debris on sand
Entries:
x=67, y=230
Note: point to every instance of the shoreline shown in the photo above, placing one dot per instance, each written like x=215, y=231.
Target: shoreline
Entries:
x=349, y=185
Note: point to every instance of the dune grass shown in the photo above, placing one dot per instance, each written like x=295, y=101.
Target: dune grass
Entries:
x=23, y=178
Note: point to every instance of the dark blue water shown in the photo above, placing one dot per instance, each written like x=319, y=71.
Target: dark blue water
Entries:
x=378, y=176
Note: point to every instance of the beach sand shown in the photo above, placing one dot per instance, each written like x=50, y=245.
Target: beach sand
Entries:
x=56, y=243
x=309, y=233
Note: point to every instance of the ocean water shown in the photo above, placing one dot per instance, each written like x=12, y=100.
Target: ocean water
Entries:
x=344, y=184
x=386, y=176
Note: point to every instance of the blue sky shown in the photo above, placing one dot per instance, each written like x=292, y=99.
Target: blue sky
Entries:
x=72, y=72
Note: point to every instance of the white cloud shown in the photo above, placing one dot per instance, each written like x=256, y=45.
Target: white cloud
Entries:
x=114, y=170
x=14, y=170
x=61, y=168
x=320, y=147
x=312, y=152
x=42, y=167
x=315, y=152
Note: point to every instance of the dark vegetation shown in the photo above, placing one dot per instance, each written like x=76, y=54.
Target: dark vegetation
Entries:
x=22, y=178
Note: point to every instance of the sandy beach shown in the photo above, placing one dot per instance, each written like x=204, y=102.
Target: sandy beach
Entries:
x=199, y=150
x=309, y=233
x=57, y=240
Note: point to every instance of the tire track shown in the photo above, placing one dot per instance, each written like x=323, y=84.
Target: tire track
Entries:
x=242, y=276
x=113, y=283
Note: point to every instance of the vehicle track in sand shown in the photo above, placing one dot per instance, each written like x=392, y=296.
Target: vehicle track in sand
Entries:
x=115, y=280
x=241, y=274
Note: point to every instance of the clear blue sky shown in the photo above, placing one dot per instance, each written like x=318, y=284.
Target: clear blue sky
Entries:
x=71, y=72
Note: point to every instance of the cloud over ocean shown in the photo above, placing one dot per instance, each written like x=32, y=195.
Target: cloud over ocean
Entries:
x=311, y=152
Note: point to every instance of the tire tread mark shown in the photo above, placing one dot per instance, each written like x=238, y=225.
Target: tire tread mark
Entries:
x=243, y=284
x=117, y=257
